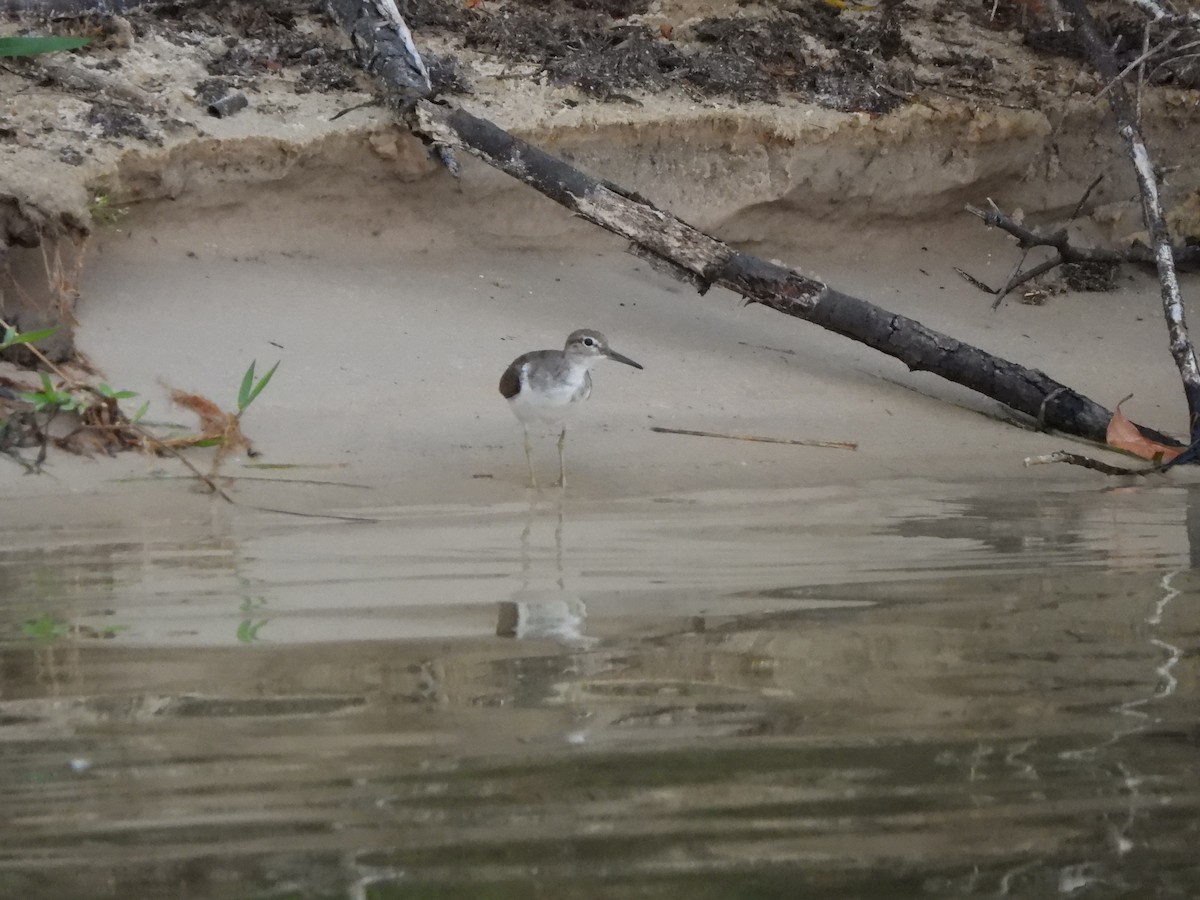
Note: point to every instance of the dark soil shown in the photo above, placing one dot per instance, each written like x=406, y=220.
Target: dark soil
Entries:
x=843, y=58
x=810, y=51
x=115, y=122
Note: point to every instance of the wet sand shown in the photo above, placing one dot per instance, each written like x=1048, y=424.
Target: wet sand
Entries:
x=391, y=354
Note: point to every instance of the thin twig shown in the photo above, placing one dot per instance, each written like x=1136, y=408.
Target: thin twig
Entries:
x=1040, y=269
x=1078, y=459
x=975, y=282
x=1162, y=45
x=1014, y=278
x=1082, y=200
x=345, y=484
x=349, y=109
x=831, y=445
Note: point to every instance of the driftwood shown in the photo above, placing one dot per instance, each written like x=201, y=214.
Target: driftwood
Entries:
x=702, y=260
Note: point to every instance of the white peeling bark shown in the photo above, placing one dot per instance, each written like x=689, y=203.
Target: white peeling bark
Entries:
x=389, y=11
x=1164, y=260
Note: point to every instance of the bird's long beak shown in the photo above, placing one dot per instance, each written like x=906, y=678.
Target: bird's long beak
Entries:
x=614, y=355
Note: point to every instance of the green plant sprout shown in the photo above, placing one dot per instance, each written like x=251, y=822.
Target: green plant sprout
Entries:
x=32, y=46
x=250, y=389
x=47, y=629
x=105, y=391
x=247, y=630
x=49, y=397
x=44, y=628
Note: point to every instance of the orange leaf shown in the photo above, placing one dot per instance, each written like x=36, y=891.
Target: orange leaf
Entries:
x=471, y=4
x=1124, y=435
x=212, y=419
x=214, y=423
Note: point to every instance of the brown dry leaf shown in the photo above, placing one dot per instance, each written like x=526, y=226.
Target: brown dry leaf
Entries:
x=471, y=4
x=212, y=419
x=665, y=29
x=1124, y=435
x=214, y=423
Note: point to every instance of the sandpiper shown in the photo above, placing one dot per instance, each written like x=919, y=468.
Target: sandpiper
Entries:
x=543, y=386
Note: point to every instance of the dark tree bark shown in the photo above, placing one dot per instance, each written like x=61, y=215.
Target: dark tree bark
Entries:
x=384, y=45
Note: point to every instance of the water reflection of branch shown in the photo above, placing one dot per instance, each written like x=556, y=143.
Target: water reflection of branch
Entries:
x=1165, y=685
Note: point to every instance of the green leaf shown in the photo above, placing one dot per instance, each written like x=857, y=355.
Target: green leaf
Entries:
x=137, y=416
x=31, y=46
x=28, y=337
x=10, y=337
x=209, y=442
x=43, y=628
x=258, y=388
x=105, y=391
x=247, y=631
x=247, y=384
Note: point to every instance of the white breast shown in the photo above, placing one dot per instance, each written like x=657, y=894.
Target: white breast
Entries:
x=551, y=404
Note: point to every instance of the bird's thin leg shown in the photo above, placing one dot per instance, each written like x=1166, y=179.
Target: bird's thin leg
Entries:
x=529, y=457
x=562, y=468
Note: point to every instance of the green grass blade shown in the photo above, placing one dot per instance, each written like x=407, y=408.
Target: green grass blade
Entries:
x=209, y=442
x=28, y=337
x=247, y=384
x=258, y=388
x=31, y=46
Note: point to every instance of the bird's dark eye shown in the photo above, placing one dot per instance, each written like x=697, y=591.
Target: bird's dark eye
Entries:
x=589, y=342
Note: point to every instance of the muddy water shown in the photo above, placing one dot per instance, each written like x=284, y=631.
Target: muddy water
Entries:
x=897, y=690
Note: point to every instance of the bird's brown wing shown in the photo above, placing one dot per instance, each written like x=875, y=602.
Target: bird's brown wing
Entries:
x=510, y=381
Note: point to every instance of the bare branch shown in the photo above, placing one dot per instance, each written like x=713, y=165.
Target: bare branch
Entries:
x=1152, y=213
x=1078, y=459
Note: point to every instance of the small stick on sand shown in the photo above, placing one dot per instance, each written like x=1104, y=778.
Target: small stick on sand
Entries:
x=831, y=445
x=1077, y=459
